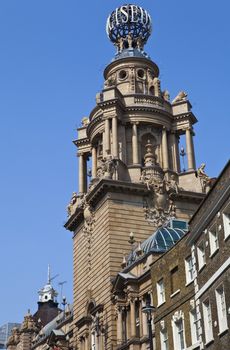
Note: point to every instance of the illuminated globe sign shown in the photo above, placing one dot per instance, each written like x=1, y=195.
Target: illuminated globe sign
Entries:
x=129, y=26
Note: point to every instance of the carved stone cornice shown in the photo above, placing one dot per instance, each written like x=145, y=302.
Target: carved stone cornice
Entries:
x=85, y=320
x=81, y=142
x=187, y=115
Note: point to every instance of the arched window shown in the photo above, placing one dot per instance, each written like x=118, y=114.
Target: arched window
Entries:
x=152, y=91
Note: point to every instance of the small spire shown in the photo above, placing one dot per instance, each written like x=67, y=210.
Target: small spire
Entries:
x=48, y=280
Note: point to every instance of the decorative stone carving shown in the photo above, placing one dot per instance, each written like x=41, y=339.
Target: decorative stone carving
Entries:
x=140, y=44
x=14, y=338
x=159, y=207
x=165, y=95
x=120, y=44
x=85, y=121
x=163, y=325
x=172, y=184
x=29, y=323
x=178, y=315
x=182, y=96
x=130, y=40
x=89, y=218
x=205, y=180
x=110, y=81
x=106, y=168
x=192, y=304
x=72, y=204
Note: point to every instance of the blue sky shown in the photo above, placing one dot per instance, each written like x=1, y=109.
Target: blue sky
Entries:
x=53, y=54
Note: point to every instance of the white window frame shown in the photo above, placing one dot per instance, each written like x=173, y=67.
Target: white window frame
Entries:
x=189, y=269
x=207, y=317
x=221, y=309
x=164, y=339
x=226, y=220
x=213, y=240
x=160, y=292
x=178, y=334
x=201, y=255
x=194, y=326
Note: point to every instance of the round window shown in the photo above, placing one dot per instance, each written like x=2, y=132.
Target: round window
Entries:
x=141, y=73
x=122, y=74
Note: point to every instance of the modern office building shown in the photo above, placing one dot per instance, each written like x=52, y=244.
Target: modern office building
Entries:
x=5, y=331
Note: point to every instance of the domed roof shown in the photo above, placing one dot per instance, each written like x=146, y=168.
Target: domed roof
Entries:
x=159, y=242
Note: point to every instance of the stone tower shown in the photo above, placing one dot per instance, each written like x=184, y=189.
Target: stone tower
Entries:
x=136, y=184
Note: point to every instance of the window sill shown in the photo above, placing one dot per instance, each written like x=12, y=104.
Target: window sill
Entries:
x=194, y=346
x=188, y=283
x=223, y=332
x=214, y=253
x=202, y=267
x=163, y=302
x=209, y=342
x=175, y=293
x=227, y=237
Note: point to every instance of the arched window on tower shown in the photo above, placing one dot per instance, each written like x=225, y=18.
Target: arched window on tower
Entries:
x=152, y=91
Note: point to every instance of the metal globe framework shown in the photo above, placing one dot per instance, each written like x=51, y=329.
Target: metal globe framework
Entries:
x=130, y=25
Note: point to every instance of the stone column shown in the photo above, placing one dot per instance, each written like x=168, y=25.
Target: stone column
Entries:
x=94, y=162
x=165, y=149
x=175, y=152
x=141, y=318
x=107, y=136
x=119, y=325
x=135, y=144
x=132, y=318
x=178, y=153
x=81, y=171
x=115, y=138
x=87, y=341
x=144, y=323
x=190, y=149
x=85, y=172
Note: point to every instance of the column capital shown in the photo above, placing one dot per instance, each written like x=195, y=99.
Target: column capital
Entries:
x=135, y=123
x=79, y=154
x=164, y=128
x=189, y=128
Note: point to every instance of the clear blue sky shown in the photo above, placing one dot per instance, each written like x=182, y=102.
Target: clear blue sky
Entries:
x=52, y=58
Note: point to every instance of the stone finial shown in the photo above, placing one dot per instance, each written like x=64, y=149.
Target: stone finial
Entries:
x=150, y=158
x=139, y=250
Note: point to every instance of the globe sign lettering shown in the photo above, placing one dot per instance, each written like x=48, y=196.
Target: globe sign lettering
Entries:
x=129, y=19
